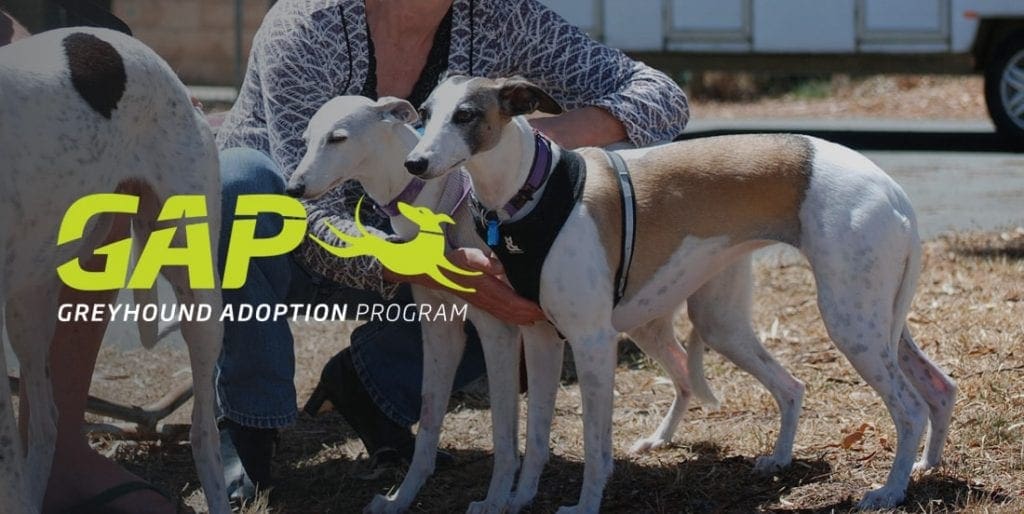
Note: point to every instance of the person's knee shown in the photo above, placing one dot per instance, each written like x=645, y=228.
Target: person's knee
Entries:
x=248, y=171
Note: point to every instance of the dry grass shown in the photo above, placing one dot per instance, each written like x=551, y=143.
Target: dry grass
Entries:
x=968, y=315
x=916, y=97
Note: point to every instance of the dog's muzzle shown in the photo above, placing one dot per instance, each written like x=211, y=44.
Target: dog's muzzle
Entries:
x=417, y=166
x=296, y=190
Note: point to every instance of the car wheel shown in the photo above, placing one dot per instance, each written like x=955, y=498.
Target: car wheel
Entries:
x=1004, y=88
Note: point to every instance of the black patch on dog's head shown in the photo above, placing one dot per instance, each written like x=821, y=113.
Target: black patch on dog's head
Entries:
x=97, y=71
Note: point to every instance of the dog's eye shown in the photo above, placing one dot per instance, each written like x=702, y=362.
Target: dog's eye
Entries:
x=337, y=137
x=464, y=116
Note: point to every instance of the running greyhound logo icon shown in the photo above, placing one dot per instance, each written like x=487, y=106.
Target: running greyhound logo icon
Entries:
x=423, y=254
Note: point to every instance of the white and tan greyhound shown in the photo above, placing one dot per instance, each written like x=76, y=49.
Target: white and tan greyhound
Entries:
x=93, y=111
x=354, y=138
x=700, y=205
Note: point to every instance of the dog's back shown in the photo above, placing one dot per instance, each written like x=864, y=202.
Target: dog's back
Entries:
x=86, y=111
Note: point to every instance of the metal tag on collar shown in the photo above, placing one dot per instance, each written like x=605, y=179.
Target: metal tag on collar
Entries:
x=492, y=232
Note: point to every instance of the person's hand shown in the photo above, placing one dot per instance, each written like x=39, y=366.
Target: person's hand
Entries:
x=492, y=294
x=198, y=104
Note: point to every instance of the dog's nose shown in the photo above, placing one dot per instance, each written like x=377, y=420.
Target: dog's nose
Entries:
x=417, y=166
x=296, y=190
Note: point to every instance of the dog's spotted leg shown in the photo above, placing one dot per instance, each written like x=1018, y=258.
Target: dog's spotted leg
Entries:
x=501, y=352
x=204, y=341
x=858, y=310
x=658, y=340
x=721, y=314
x=443, y=345
x=938, y=390
x=597, y=380
x=12, y=485
x=31, y=320
x=543, y=349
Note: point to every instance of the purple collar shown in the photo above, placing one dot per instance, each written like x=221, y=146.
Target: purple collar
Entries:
x=538, y=174
x=408, y=195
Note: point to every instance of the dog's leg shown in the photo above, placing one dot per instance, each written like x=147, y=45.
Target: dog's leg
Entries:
x=31, y=321
x=595, y=357
x=543, y=349
x=443, y=345
x=204, y=340
x=721, y=314
x=694, y=346
x=658, y=340
x=938, y=390
x=12, y=472
x=856, y=299
x=501, y=352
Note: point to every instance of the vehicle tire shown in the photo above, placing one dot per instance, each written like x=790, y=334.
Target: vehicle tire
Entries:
x=1004, y=88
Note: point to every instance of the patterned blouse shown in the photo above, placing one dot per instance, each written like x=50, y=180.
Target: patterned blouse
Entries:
x=309, y=51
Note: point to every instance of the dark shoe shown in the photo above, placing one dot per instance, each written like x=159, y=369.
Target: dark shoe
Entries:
x=386, y=442
x=254, y=449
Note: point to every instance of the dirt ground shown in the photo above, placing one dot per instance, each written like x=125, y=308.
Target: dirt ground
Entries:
x=968, y=315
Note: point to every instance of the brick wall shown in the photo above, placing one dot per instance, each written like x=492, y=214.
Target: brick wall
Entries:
x=197, y=37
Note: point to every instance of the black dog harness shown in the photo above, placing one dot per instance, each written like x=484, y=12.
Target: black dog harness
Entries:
x=524, y=244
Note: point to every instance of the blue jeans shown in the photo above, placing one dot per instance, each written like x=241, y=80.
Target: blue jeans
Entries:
x=255, y=380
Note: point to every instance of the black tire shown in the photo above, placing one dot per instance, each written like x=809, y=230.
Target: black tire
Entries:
x=1004, y=88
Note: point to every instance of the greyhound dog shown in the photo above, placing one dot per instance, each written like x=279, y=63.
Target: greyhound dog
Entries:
x=87, y=111
x=700, y=205
x=356, y=138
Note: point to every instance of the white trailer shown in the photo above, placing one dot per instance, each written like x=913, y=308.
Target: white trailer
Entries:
x=894, y=36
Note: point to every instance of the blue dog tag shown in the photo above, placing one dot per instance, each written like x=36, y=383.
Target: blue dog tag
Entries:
x=492, y=232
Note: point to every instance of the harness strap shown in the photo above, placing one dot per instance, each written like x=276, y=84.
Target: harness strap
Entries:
x=628, y=222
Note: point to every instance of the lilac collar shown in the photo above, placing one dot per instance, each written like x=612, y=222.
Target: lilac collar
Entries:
x=408, y=195
x=538, y=174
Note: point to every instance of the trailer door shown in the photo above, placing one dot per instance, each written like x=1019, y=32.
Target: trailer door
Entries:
x=903, y=25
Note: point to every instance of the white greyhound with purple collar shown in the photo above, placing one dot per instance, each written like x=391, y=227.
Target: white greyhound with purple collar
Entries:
x=701, y=205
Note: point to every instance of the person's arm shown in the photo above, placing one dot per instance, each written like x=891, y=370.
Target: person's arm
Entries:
x=596, y=83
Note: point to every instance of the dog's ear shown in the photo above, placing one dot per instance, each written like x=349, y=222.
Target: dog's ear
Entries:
x=396, y=109
x=518, y=96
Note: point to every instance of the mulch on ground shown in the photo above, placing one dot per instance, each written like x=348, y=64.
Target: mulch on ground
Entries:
x=968, y=315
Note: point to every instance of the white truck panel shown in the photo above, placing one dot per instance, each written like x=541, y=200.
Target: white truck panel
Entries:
x=585, y=14
x=709, y=15
x=804, y=26
x=636, y=25
x=920, y=16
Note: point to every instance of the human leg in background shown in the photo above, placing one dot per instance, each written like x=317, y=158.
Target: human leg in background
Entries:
x=255, y=387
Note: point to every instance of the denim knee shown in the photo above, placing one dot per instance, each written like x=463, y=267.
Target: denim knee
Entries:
x=248, y=171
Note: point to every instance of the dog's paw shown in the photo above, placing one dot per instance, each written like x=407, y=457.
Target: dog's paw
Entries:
x=770, y=464
x=574, y=509
x=924, y=465
x=520, y=501
x=884, y=498
x=486, y=507
x=383, y=505
x=647, y=444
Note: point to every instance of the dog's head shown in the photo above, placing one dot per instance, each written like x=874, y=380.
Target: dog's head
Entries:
x=340, y=138
x=466, y=116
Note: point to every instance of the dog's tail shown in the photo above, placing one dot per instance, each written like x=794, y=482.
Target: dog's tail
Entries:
x=148, y=330
x=911, y=271
x=695, y=361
